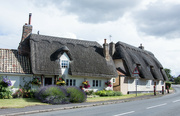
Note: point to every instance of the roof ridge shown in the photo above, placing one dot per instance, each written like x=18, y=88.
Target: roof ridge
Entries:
x=134, y=48
x=7, y=49
x=67, y=40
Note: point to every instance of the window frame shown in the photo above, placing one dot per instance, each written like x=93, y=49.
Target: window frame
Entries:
x=64, y=64
x=96, y=83
x=70, y=82
x=148, y=83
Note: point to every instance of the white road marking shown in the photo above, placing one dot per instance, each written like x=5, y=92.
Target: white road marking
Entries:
x=156, y=106
x=125, y=113
x=176, y=101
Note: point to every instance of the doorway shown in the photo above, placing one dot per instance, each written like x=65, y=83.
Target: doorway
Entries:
x=48, y=81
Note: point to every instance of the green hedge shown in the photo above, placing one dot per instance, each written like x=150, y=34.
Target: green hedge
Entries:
x=108, y=93
x=168, y=84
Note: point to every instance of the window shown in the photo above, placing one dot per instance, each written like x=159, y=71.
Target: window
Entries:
x=70, y=82
x=64, y=64
x=148, y=83
x=162, y=82
x=114, y=80
x=96, y=83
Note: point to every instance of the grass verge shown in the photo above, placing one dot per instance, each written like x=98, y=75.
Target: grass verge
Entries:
x=23, y=102
x=96, y=99
x=19, y=103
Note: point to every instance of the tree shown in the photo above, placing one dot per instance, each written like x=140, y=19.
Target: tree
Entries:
x=168, y=71
x=177, y=80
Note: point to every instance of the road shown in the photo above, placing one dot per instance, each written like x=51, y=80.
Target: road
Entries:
x=168, y=105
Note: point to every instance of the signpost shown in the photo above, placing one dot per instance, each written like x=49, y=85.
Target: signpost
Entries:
x=136, y=74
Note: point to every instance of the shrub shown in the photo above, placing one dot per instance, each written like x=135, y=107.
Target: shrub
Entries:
x=36, y=81
x=76, y=95
x=89, y=92
x=108, y=93
x=23, y=93
x=168, y=84
x=52, y=94
x=5, y=91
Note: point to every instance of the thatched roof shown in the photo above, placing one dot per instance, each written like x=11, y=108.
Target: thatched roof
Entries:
x=86, y=57
x=12, y=62
x=148, y=66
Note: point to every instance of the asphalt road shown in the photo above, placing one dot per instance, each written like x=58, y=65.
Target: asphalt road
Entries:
x=168, y=105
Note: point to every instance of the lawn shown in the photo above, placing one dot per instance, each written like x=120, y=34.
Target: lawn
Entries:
x=96, y=99
x=19, y=102
x=23, y=102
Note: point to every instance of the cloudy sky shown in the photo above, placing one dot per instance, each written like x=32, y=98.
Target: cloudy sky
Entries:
x=154, y=23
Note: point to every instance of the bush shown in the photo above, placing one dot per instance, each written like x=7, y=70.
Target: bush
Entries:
x=168, y=84
x=76, y=95
x=5, y=91
x=52, y=94
x=89, y=92
x=108, y=93
x=23, y=93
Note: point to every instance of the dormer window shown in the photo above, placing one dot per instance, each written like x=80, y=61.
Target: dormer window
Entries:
x=64, y=64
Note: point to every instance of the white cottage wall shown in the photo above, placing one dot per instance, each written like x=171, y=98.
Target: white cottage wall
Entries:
x=144, y=86
x=17, y=80
x=119, y=63
x=80, y=79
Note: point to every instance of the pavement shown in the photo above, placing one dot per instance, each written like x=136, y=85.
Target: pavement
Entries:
x=49, y=108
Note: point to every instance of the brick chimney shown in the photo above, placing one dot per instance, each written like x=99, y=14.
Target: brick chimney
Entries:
x=111, y=48
x=141, y=47
x=106, y=50
x=27, y=29
x=23, y=48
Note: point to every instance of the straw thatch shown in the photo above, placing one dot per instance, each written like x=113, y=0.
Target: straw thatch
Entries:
x=148, y=66
x=86, y=57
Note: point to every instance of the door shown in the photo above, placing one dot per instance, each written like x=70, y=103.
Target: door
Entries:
x=48, y=81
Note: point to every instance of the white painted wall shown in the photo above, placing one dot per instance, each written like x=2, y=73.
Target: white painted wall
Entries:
x=142, y=85
x=17, y=80
x=80, y=79
x=119, y=63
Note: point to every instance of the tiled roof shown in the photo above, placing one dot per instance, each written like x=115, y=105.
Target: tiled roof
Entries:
x=12, y=62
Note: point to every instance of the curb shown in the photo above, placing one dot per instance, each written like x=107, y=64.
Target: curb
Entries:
x=83, y=106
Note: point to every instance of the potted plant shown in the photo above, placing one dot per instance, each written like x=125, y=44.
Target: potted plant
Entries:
x=36, y=81
x=86, y=84
x=60, y=82
x=108, y=84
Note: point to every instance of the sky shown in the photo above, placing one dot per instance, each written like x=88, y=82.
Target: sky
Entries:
x=153, y=23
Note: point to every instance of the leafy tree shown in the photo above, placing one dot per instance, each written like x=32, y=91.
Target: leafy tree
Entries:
x=177, y=80
x=168, y=73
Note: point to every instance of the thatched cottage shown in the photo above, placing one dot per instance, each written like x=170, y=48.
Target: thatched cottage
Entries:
x=49, y=58
x=126, y=59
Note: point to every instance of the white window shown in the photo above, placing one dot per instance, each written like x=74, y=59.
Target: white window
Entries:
x=71, y=82
x=64, y=64
x=162, y=82
x=96, y=83
x=148, y=83
x=114, y=80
